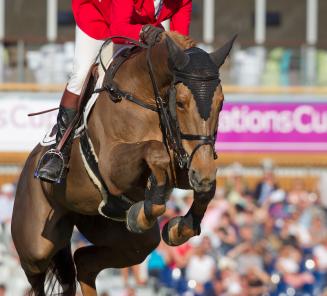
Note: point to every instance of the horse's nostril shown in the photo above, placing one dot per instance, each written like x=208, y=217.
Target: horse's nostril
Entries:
x=198, y=179
x=205, y=182
x=195, y=176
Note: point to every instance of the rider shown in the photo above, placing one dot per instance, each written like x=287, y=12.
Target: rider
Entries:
x=97, y=20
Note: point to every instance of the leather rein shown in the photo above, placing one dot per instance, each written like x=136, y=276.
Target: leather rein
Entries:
x=166, y=109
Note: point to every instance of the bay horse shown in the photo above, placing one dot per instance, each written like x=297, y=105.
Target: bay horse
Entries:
x=135, y=161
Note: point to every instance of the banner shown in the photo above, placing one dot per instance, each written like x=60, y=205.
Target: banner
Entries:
x=18, y=132
x=273, y=126
x=258, y=122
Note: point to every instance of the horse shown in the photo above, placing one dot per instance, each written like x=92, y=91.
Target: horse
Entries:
x=135, y=160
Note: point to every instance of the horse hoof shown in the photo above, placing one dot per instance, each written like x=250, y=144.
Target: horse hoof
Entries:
x=176, y=232
x=132, y=218
x=166, y=229
x=136, y=221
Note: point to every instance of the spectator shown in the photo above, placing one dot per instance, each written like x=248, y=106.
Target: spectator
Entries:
x=270, y=241
x=320, y=259
x=157, y=265
x=130, y=292
x=228, y=281
x=2, y=290
x=297, y=193
x=201, y=268
x=236, y=186
x=289, y=266
x=258, y=281
x=320, y=255
x=135, y=270
x=267, y=185
x=215, y=211
x=7, y=192
x=226, y=233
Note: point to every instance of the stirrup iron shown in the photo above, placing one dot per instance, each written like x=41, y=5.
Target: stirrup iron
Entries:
x=49, y=154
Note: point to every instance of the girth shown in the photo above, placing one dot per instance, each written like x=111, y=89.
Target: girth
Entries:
x=113, y=207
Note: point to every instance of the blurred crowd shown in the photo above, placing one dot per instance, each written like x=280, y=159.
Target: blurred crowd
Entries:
x=12, y=277
x=263, y=241
x=260, y=242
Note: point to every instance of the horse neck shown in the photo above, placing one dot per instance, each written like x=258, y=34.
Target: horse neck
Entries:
x=126, y=121
x=138, y=81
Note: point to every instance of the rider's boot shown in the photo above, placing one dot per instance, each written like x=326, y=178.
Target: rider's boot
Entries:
x=52, y=168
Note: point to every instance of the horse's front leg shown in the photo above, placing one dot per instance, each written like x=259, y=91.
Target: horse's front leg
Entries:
x=142, y=215
x=179, y=229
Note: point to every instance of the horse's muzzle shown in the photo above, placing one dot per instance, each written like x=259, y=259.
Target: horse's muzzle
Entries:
x=199, y=183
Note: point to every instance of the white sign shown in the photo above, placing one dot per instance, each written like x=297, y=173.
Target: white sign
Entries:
x=21, y=133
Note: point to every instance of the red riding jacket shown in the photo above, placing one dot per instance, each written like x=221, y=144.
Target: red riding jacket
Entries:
x=101, y=19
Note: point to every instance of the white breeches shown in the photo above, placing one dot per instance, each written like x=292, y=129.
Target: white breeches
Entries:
x=86, y=51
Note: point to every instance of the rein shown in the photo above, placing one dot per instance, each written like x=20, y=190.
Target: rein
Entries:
x=172, y=135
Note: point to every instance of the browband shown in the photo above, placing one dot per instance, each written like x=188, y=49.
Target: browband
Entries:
x=195, y=77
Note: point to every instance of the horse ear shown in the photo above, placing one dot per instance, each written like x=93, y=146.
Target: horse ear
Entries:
x=219, y=56
x=177, y=57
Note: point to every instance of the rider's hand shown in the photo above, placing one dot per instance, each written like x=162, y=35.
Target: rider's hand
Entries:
x=150, y=34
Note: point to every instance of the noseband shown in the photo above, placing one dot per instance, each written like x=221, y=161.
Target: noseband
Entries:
x=201, y=87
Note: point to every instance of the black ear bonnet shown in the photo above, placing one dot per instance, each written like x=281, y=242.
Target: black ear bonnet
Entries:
x=201, y=76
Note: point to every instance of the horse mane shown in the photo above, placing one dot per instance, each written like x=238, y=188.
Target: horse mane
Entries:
x=185, y=42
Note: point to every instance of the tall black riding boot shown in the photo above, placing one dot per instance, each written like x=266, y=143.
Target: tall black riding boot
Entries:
x=52, y=165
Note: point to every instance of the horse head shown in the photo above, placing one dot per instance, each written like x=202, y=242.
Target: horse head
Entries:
x=198, y=99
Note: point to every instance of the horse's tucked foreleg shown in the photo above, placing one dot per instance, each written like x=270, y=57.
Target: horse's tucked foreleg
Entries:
x=142, y=215
x=155, y=199
x=179, y=229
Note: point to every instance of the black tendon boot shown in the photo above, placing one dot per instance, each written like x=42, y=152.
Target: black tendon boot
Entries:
x=53, y=164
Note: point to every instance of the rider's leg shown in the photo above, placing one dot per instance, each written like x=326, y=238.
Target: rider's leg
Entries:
x=51, y=169
x=86, y=50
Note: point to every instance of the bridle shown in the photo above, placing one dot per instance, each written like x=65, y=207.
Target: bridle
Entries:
x=166, y=109
x=172, y=134
x=185, y=158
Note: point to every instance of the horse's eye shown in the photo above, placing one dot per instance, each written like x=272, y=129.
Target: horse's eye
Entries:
x=180, y=105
